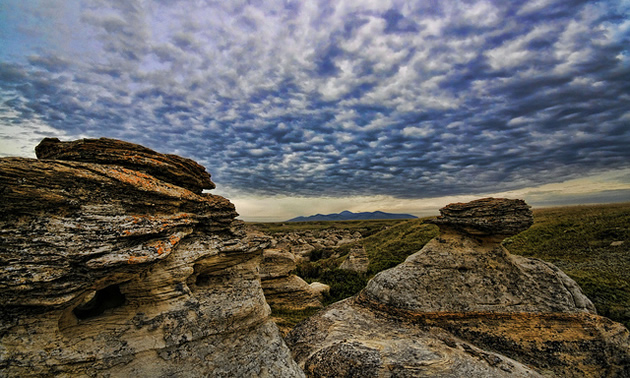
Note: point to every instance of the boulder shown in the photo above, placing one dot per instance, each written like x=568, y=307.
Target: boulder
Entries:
x=320, y=288
x=284, y=290
x=290, y=293
x=276, y=263
x=464, y=306
x=113, y=263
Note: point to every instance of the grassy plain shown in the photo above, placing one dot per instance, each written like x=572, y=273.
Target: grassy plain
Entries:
x=591, y=244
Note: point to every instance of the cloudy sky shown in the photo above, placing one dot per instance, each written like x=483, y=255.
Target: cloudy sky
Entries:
x=304, y=107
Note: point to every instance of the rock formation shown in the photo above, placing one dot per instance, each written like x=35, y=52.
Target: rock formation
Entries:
x=302, y=243
x=464, y=306
x=284, y=290
x=357, y=261
x=114, y=263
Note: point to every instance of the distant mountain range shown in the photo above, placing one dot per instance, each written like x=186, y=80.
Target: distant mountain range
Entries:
x=348, y=215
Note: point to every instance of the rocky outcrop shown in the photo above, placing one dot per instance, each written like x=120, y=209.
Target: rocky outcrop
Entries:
x=302, y=243
x=113, y=263
x=173, y=169
x=284, y=290
x=357, y=260
x=464, y=306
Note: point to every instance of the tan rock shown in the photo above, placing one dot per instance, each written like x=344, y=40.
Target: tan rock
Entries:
x=463, y=306
x=320, y=289
x=276, y=263
x=357, y=261
x=106, y=270
x=290, y=293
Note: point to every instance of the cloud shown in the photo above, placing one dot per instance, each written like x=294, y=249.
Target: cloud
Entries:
x=332, y=99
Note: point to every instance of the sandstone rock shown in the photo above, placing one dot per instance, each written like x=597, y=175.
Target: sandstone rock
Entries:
x=320, y=288
x=455, y=273
x=348, y=339
x=276, y=263
x=170, y=168
x=290, y=293
x=302, y=243
x=108, y=270
x=464, y=306
x=282, y=289
x=357, y=261
x=489, y=217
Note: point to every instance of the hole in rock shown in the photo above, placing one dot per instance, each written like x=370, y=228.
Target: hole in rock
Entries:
x=104, y=299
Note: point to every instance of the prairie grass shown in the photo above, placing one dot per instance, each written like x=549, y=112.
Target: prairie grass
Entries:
x=591, y=244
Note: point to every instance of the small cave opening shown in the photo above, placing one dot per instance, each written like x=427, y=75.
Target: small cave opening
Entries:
x=103, y=299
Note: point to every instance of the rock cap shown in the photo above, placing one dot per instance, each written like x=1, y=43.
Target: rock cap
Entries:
x=486, y=217
x=170, y=168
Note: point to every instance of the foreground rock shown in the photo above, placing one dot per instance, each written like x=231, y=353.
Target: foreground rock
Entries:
x=112, y=263
x=463, y=306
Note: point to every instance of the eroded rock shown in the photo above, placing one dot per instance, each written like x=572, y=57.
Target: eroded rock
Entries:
x=357, y=260
x=487, y=217
x=119, y=266
x=170, y=168
x=284, y=290
x=464, y=306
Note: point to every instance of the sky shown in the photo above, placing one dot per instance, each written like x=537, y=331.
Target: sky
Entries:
x=304, y=107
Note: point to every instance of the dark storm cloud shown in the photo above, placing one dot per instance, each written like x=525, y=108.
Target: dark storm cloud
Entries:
x=346, y=98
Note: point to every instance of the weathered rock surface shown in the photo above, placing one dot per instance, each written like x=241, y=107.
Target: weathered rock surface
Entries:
x=357, y=261
x=463, y=306
x=170, y=168
x=486, y=217
x=282, y=289
x=302, y=243
x=120, y=266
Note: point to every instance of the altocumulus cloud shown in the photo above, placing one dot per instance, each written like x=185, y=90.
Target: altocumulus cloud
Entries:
x=410, y=99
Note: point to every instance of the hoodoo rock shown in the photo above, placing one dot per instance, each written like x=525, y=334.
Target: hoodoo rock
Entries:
x=114, y=263
x=464, y=306
x=486, y=217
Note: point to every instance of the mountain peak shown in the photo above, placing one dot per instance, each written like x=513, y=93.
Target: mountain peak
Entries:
x=349, y=215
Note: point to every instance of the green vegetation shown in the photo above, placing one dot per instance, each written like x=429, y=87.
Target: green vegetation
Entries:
x=591, y=244
x=385, y=249
x=287, y=319
x=584, y=241
x=365, y=227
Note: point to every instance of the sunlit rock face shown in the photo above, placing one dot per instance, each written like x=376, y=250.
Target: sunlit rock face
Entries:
x=114, y=263
x=464, y=306
x=283, y=289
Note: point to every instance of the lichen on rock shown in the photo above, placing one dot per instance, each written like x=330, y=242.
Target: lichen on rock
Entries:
x=113, y=262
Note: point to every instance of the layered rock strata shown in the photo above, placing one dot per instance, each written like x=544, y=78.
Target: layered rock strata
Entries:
x=113, y=263
x=284, y=290
x=464, y=306
x=357, y=260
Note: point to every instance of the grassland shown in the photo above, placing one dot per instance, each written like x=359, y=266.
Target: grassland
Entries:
x=589, y=243
x=365, y=227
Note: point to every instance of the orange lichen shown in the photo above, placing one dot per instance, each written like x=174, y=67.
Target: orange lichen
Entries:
x=137, y=259
x=174, y=239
